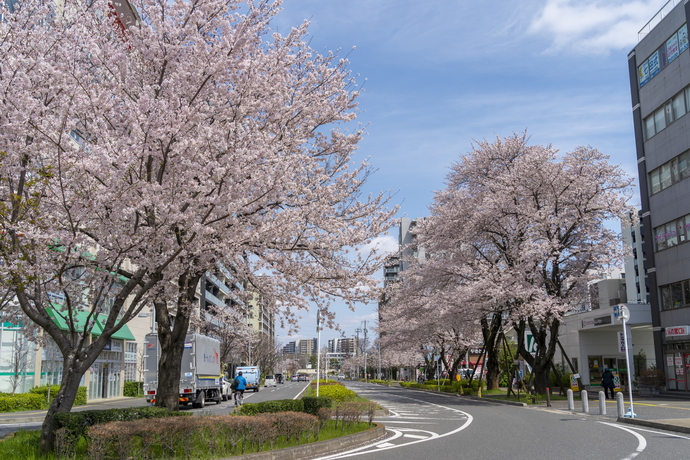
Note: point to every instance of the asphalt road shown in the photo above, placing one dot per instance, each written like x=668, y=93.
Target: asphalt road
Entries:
x=431, y=425
x=428, y=425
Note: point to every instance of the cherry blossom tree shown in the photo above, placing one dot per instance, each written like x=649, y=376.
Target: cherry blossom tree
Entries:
x=519, y=230
x=134, y=159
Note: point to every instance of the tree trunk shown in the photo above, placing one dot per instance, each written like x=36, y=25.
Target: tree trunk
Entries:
x=171, y=341
x=491, y=332
x=546, y=337
x=171, y=336
x=63, y=402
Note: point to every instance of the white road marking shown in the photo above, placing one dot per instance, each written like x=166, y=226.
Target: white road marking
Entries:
x=641, y=441
x=397, y=433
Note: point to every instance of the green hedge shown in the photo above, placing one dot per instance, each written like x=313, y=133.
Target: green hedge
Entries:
x=133, y=389
x=79, y=400
x=337, y=393
x=454, y=387
x=312, y=404
x=21, y=402
x=279, y=405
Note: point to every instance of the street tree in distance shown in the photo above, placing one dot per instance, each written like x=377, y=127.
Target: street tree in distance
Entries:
x=519, y=231
x=136, y=159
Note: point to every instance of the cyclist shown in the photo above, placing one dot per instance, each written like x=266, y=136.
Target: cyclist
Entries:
x=241, y=383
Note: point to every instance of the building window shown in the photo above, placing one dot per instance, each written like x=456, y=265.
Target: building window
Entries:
x=670, y=173
x=130, y=361
x=672, y=233
x=668, y=52
x=669, y=112
x=675, y=295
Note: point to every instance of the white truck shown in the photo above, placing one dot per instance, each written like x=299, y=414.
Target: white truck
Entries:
x=200, y=375
x=252, y=375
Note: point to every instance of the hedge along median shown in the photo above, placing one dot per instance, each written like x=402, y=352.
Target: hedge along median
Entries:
x=38, y=398
x=201, y=437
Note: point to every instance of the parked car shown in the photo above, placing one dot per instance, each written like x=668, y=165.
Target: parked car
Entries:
x=226, y=392
x=270, y=381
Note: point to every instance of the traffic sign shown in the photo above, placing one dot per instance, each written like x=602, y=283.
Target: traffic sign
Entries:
x=624, y=313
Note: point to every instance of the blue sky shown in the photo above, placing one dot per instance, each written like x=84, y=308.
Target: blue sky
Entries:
x=440, y=74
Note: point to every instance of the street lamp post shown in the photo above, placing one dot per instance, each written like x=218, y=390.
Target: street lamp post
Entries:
x=357, y=331
x=318, y=350
x=624, y=316
x=365, y=351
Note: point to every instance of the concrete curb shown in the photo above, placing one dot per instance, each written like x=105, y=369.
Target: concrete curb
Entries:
x=316, y=448
x=652, y=424
x=496, y=401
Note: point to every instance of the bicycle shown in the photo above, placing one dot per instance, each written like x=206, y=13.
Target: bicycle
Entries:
x=239, y=397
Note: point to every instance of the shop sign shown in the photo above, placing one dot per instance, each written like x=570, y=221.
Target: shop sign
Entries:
x=593, y=322
x=621, y=342
x=677, y=331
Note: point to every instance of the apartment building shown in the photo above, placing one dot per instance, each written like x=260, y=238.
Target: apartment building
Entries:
x=660, y=92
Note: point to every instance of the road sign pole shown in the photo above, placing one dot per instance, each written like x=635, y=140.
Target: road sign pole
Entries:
x=624, y=317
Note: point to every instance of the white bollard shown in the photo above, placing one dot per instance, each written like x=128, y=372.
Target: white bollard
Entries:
x=620, y=404
x=571, y=401
x=602, y=403
x=585, y=402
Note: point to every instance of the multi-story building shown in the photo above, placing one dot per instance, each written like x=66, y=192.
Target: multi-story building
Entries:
x=345, y=346
x=307, y=347
x=637, y=285
x=660, y=90
x=591, y=335
x=290, y=348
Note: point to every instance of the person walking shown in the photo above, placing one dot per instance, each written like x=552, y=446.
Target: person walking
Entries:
x=240, y=383
x=607, y=382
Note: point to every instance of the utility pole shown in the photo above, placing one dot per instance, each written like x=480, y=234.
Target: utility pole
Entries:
x=357, y=331
x=365, y=350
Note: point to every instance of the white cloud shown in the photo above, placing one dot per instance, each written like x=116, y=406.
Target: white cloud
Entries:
x=386, y=244
x=593, y=26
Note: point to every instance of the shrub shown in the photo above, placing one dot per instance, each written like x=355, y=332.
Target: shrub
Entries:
x=53, y=390
x=312, y=404
x=76, y=424
x=279, y=405
x=563, y=372
x=20, y=402
x=337, y=393
x=133, y=389
x=217, y=436
x=652, y=376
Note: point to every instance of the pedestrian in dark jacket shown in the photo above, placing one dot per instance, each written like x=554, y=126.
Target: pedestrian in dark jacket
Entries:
x=607, y=382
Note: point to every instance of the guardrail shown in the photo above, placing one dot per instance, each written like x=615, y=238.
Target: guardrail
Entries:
x=656, y=19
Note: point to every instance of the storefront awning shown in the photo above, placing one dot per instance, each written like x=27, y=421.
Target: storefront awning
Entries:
x=61, y=321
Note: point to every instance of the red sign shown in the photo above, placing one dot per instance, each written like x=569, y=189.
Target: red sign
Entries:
x=677, y=330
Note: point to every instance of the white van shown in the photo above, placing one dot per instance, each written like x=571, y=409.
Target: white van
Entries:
x=270, y=381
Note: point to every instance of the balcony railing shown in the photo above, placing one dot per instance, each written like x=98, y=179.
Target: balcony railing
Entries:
x=656, y=19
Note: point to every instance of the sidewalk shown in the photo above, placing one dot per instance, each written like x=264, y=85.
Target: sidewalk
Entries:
x=660, y=412
x=11, y=418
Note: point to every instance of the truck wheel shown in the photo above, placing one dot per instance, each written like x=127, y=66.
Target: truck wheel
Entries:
x=220, y=398
x=201, y=400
